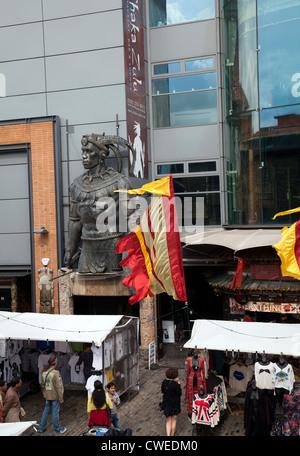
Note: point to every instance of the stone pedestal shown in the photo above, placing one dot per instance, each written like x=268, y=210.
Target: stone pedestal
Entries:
x=66, y=306
x=74, y=284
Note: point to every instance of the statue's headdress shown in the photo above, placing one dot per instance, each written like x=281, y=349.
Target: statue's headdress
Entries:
x=107, y=143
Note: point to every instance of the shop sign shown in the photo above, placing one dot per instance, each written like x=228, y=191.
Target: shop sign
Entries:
x=283, y=307
x=272, y=307
x=135, y=83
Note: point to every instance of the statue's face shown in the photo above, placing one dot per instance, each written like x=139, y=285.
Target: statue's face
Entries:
x=90, y=156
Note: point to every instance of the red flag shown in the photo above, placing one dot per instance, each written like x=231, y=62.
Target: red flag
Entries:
x=154, y=255
x=238, y=276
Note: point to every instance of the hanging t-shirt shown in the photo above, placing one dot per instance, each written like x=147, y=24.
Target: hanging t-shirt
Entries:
x=30, y=361
x=42, y=361
x=284, y=377
x=97, y=357
x=63, y=347
x=63, y=367
x=108, y=352
x=15, y=363
x=90, y=383
x=239, y=376
x=264, y=375
x=77, y=375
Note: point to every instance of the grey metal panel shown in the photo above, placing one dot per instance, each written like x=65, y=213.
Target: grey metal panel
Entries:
x=14, y=216
x=57, y=8
x=15, y=249
x=24, y=76
x=85, y=69
x=71, y=145
x=13, y=182
x=88, y=105
x=173, y=144
x=23, y=106
x=75, y=34
x=183, y=41
x=13, y=158
x=19, y=11
x=21, y=41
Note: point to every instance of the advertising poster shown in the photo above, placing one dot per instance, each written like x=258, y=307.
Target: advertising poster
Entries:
x=135, y=87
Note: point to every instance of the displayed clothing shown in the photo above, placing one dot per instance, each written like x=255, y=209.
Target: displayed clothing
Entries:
x=264, y=375
x=97, y=357
x=63, y=367
x=77, y=375
x=42, y=361
x=205, y=410
x=89, y=386
x=86, y=357
x=29, y=360
x=63, y=347
x=109, y=352
x=284, y=376
x=195, y=377
x=239, y=376
x=258, y=411
x=291, y=412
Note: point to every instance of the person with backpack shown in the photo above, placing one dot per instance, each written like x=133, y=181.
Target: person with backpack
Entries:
x=53, y=390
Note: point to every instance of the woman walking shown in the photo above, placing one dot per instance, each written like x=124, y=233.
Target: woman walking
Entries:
x=171, y=390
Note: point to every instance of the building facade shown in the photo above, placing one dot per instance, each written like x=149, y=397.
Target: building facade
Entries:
x=207, y=91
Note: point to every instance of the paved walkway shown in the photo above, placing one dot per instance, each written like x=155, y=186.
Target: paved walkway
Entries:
x=141, y=413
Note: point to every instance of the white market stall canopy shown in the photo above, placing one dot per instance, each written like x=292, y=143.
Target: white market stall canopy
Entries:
x=52, y=327
x=234, y=239
x=15, y=429
x=248, y=337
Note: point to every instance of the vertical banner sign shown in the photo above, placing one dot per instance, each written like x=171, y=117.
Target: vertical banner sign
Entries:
x=135, y=87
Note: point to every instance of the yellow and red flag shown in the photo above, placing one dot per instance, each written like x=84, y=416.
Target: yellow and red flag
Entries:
x=154, y=250
x=288, y=248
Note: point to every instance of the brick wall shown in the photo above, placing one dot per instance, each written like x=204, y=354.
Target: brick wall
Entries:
x=40, y=137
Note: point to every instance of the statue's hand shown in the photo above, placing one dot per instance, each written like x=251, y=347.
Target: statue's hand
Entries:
x=68, y=259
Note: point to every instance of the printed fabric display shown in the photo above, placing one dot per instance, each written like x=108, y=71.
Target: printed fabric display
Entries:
x=284, y=377
x=291, y=412
x=239, y=376
x=195, y=377
x=206, y=409
x=265, y=375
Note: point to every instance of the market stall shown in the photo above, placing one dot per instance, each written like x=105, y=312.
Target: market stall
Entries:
x=261, y=364
x=28, y=339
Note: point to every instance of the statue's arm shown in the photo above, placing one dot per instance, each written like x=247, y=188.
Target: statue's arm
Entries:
x=74, y=232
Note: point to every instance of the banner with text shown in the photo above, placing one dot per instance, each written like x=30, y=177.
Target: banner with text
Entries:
x=135, y=87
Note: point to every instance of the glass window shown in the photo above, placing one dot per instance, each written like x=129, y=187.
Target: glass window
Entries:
x=199, y=64
x=196, y=184
x=190, y=108
x=188, y=209
x=280, y=157
x=166, y=68
x=171, y=168
x=188, y=83
x=168, y=12
x=202, y=167
x=279, y=55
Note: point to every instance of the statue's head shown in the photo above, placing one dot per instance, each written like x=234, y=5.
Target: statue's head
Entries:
x=95, y=148
x=94, y=151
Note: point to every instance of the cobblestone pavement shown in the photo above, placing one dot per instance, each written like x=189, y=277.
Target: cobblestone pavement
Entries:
x=141, y=413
